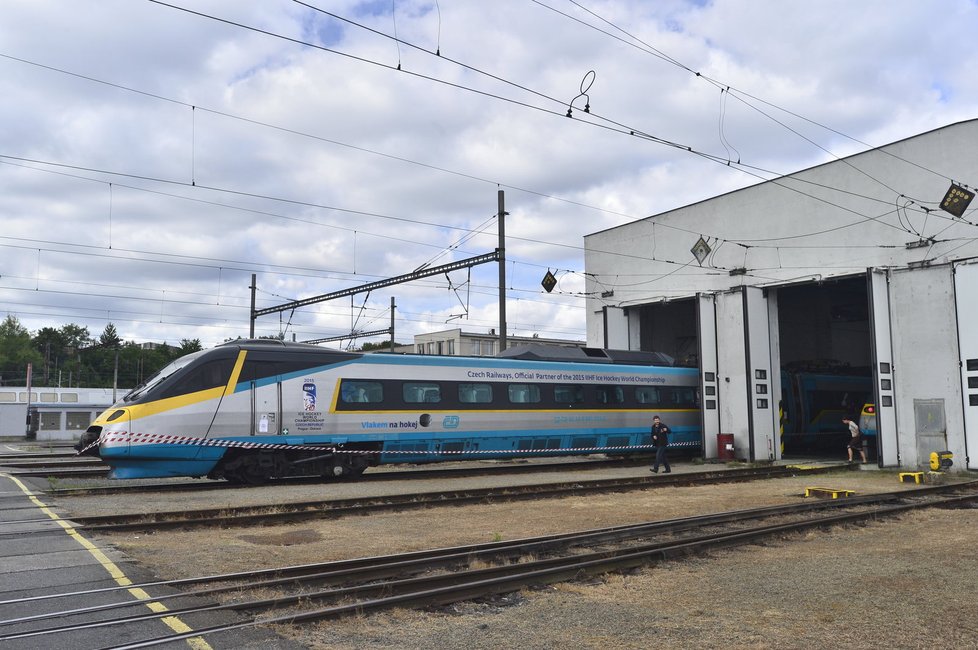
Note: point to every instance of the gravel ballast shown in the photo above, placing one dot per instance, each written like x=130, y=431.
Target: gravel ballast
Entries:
x=906, y=582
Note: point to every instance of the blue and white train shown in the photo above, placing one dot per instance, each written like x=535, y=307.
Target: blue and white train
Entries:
x=249, y=411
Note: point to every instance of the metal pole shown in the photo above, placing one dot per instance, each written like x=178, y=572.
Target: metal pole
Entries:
x=251, y=332
x=502, y=269
x=392, y=324
x=115, y=376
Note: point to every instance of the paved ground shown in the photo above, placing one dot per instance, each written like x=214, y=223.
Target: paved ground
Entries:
x=41, y=554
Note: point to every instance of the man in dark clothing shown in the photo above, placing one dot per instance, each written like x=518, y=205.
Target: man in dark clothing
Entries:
x=660, y=440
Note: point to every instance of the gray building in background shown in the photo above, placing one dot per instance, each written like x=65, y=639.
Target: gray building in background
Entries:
x=56, y=413
x=866, y=261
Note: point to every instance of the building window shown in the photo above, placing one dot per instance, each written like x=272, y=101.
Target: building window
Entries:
x=450, y=347
x=488, y=348
x=50, y=421
x=78, y=420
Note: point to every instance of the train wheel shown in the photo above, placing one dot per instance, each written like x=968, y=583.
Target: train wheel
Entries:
x=349, y=468
x=253, y=469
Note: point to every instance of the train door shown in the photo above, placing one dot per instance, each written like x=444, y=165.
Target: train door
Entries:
x=266, y=406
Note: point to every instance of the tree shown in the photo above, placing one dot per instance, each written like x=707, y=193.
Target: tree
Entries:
x=75, y=336
x=16, y=352
x=368, y=346
x=110, y=337
x=189, y=345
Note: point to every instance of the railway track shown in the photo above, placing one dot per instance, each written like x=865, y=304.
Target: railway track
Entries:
x=95, y=468
x=323, y=591
x=369, y=477
x=292, y=512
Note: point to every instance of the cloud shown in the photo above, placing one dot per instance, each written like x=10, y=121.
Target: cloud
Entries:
x=176, y=154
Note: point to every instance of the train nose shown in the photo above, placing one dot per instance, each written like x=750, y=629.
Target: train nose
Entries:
x=87, y=444
x=114, y=439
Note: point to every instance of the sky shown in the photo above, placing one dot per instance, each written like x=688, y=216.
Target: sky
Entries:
x=153, y=156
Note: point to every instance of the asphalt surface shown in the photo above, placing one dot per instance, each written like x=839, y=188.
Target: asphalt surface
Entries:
x=41, y=555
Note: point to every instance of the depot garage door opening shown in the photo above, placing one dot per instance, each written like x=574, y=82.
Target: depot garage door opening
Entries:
x=826, y=365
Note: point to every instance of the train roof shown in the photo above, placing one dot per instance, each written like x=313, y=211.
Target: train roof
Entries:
x=540, y=352
x=275, y=344
x=528, y=352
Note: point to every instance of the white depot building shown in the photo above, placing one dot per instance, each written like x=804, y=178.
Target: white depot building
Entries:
x=801, y=297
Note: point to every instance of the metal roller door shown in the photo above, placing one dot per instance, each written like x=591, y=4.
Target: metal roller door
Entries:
x=966, y=302
x=879, y=316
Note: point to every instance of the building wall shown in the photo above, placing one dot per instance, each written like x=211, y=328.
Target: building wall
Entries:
x=63, y=413
x=455, y=342
x=840, y=219
x=818, y=226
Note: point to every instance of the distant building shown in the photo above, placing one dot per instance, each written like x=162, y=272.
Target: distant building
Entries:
x=56, y=413
x=455, y=342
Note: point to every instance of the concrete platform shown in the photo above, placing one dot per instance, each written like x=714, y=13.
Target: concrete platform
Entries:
x=46, y=566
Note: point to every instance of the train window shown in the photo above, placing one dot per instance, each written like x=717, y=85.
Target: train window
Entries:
x=49, y=397
x=421, y=393
x=355, y=391
x=568, y=394
x=210, y=374
x=611, y=395
x=69, y=397
x=524, y=394
x=256, y=368
x=8, y=396
x=647, y=395
x=475, y=393
x=685, y=397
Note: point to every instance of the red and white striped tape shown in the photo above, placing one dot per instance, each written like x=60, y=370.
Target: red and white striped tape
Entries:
x=167, y=439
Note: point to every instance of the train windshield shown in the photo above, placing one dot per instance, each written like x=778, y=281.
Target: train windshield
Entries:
x=167, y=371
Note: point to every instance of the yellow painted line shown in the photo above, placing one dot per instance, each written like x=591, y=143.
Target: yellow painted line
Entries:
x=121, y=579
x=238, y=364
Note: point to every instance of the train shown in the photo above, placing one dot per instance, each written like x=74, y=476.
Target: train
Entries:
x=814, y=402
x=253, y=410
